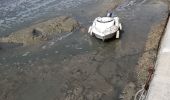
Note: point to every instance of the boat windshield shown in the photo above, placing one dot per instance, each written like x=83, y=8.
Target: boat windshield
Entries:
x=105, y=20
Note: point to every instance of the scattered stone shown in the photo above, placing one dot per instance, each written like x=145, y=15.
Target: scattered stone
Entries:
x=123, y=92
x=25, y=54
x=44, y=47
x=56, y=52
x=52, y=43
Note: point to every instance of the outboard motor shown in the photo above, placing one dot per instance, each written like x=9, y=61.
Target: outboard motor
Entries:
x=109, y=14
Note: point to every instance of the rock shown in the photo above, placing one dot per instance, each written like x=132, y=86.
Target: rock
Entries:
x=42, y=31
x=36, y=32
x=25, y=54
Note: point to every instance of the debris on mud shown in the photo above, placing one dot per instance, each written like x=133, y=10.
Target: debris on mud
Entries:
x=42, y=31
x=148, y=58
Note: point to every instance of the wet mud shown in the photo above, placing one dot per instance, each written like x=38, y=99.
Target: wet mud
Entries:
x=75, y=66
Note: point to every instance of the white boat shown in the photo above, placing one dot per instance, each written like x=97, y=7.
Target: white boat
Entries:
x=105, y=27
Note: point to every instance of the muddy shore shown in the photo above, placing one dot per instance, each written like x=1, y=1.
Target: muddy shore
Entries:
x=146, y=60
x=74, y=66
x=149, y=56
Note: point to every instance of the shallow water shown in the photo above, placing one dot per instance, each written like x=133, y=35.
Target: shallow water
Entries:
x=15, y=13
x=75, y=66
